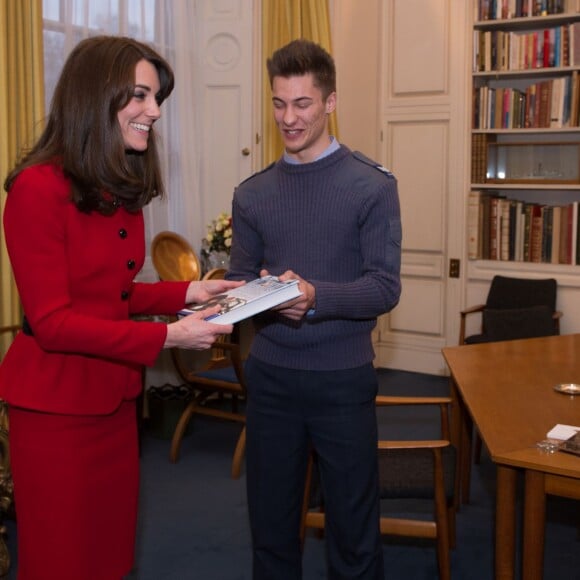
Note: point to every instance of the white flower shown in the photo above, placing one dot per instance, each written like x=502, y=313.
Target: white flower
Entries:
x=219, y=234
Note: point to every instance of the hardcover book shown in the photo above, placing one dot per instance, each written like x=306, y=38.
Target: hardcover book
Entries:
x=247, y=300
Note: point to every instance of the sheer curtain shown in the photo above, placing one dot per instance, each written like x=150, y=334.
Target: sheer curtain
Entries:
x=168, y=26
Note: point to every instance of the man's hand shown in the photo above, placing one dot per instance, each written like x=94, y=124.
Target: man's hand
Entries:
x=297, y=308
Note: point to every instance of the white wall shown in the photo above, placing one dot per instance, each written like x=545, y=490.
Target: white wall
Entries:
x=355, y=31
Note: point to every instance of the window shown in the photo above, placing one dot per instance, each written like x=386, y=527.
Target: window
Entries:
x=166, y=25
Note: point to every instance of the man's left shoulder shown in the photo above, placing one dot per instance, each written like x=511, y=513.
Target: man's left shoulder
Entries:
x=361, y=157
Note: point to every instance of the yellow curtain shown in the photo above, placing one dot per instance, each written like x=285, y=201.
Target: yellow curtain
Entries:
x=21, y=111
x=283, y=21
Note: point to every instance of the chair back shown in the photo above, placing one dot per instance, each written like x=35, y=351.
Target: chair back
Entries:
x=174, y=258
x=507, y=293
x=516, y=323
x=519, y=308
x=215, y=274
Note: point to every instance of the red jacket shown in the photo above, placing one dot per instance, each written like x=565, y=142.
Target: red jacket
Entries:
x=75, y=276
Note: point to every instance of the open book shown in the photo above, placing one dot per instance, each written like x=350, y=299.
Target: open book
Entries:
x=245, y=301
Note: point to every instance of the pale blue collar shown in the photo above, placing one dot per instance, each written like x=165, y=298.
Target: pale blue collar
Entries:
x=334, y=146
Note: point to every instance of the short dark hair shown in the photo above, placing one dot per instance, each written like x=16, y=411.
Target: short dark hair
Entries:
x=82, y=132
x=301, y=57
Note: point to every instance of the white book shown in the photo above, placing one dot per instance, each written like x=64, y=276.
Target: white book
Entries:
x=247, y=300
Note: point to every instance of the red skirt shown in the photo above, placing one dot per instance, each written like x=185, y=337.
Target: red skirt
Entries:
x=76, y=485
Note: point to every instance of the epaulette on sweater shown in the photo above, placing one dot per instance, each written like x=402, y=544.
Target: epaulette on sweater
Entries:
x=367, y=161
x=267, y=168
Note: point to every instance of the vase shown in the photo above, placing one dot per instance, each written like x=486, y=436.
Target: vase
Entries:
x=218, y=259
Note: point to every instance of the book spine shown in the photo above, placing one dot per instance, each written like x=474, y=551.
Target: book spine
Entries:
x=536, y=234
x=527, y=231
x=555, y=249
x=513, y=207
x=494, y=228
x=574, y=235
x=473, y=220
x=485, y=213
x=563, y=234
x=505, y=230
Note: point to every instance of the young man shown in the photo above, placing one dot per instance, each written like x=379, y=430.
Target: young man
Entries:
x=330, y=218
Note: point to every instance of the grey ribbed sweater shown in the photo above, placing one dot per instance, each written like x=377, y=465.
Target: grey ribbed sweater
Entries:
x=335, y=222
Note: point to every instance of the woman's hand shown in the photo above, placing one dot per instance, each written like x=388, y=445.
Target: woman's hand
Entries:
x=205, y=289
x=193, y=332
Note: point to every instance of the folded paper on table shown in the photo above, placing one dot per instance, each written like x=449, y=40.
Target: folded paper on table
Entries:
x=247, y=300
x=562, y=432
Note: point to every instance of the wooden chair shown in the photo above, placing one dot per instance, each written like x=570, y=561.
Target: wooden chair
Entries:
x=216, y=371
x=416, y=470
x=515, y=308
x=214, y=274
x=211, y=375
x=174, y=258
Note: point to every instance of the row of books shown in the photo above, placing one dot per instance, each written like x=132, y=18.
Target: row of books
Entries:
x=503, y=50
x=553, y=103
x=506, y=229
x=479, y=155
x=500, y=9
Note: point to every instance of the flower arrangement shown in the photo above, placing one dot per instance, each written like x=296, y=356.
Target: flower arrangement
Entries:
x=219, y=235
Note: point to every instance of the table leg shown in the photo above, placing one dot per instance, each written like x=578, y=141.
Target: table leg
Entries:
x=461, y=437
x=466, y=455
x=505, y=523
x=534, y=525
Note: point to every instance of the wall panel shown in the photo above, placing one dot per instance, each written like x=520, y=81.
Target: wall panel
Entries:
x=420, y=301
x=420, y=47
x=420, y=160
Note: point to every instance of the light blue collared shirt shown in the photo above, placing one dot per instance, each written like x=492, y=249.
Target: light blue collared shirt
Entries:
x=334, y=146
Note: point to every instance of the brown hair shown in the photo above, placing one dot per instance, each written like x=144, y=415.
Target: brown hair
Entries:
x=83, y=134
x=301, y=57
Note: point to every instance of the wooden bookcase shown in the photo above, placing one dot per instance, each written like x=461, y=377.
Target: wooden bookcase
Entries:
x=525, y=137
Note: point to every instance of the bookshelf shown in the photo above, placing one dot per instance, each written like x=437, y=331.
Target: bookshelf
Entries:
x=523, y=203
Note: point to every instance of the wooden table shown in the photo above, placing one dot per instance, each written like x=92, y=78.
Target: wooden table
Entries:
x=506, y=388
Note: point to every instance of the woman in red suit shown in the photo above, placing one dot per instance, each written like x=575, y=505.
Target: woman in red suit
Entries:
x=74, y=230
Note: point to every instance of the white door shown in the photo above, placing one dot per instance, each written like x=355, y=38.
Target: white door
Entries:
x=225, y=106
x=222, y=108
x=425, y=125
x=226, y=100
